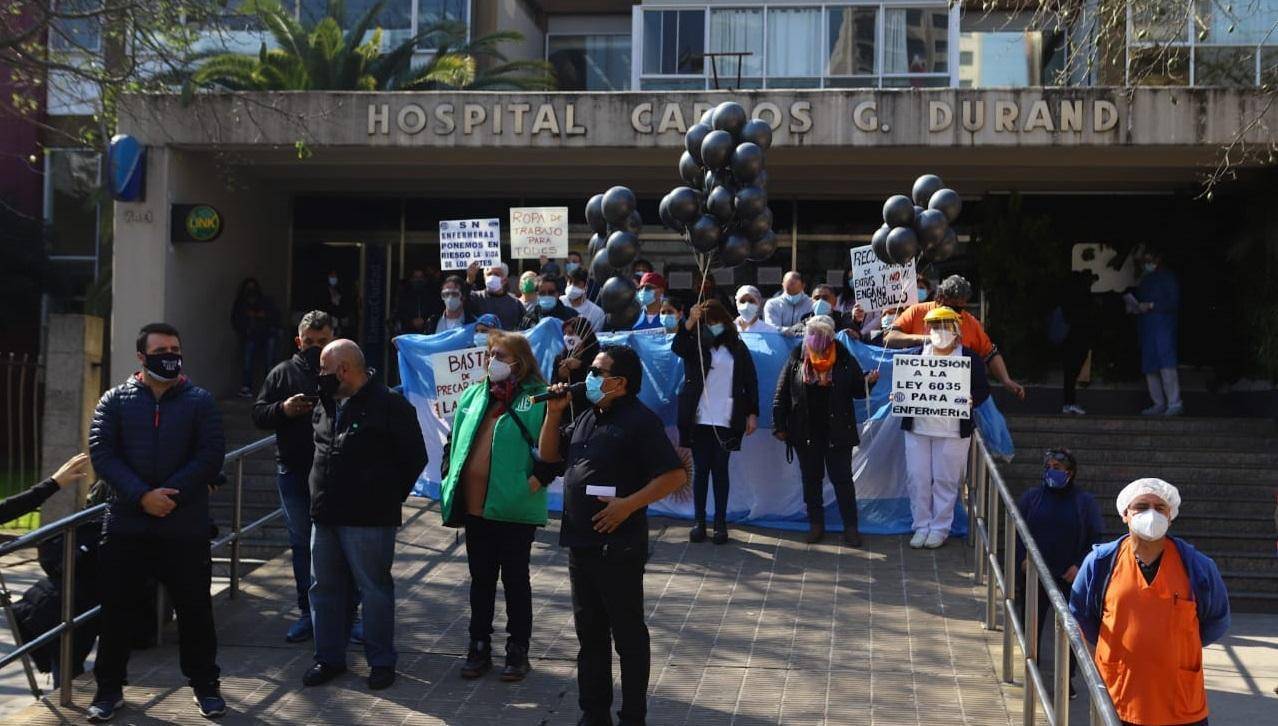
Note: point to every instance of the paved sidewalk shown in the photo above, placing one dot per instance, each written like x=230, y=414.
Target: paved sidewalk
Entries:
x=765, y=630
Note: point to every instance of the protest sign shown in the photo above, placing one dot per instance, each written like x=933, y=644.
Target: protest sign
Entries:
x=932, y=385
x=878, y=285
x=463, y=241
x=537, y=232
x=455, y=371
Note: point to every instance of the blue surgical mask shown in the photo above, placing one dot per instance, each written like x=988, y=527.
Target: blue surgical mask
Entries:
x=547, y=302
x=571, y=267
x=594, y=388
x=821, y=307
x=1150, y=267
x=794, y=299
x=669, y=321
x=922, y=294
x=716, y=329
x=1055, y=478
x=481, y=340
x=646, y=296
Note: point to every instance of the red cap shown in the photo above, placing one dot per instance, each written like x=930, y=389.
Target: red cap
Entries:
x=654, y=279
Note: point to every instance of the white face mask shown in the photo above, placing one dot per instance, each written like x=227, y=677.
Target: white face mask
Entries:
x=1150, y=525
x=943, y=339
x=498, y=371
x=493, y=283
x=748, y=310
x=887, y=321
x=575, y=293
x=571, y=342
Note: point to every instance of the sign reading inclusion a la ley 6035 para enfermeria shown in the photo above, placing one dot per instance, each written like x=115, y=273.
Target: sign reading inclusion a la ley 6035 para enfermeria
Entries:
x=463, y=241
x=932, y=385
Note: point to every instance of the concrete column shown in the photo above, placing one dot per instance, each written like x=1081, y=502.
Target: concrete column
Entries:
x=73, y=385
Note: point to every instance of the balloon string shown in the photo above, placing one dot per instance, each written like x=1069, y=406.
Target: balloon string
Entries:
x=703, y=268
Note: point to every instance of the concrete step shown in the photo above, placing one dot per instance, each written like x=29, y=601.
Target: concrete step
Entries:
x=1043, y=439
x=1251, y=581
x=1029, y=467
x=1020, y=476
x=1246, y=601
x=1186, y=454
x=1253, y=525
x=1246, y=561
x=1215, y=507
x=1180, y=425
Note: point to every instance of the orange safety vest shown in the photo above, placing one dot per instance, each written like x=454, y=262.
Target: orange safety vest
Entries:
x=1149, y=650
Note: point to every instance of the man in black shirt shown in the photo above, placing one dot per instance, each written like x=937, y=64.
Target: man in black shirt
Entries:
x=617, y=461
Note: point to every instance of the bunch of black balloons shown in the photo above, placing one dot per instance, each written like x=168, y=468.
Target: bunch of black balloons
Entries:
x=615, y=244
x=918, y=227
x=723, y=209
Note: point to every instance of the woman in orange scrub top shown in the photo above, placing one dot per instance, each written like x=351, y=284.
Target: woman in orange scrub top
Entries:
x=1150, y=602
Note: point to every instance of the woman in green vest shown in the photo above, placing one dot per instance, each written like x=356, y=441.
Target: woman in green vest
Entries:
x=496, y=490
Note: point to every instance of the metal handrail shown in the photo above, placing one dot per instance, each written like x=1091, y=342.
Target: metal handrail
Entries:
x=987, y=493
x=65, y=630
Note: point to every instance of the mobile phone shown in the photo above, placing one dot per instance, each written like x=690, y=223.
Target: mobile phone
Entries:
x=311, y=399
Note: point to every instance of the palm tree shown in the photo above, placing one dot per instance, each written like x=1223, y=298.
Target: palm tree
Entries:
x=321, y=58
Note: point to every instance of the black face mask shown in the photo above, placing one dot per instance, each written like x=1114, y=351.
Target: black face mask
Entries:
x=312, y=356
x=164, y=366
x=327, y=384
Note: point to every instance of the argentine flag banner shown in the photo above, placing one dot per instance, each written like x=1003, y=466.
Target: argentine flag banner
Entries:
x=766, y=490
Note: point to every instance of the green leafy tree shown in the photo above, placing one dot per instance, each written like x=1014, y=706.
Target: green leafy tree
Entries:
x=472, y=65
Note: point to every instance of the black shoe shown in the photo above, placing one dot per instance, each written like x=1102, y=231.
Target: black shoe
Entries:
x=1072, y=693
x=816, y=532
x=381, y=677
x=720, y=533
x=209, y=699
x=479, y=659
x=851, y=537
x=698, y=531
x=104, y=706
x=321, y=673
x=517, y=665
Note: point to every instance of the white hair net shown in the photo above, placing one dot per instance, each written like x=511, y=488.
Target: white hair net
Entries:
x=749, y=290
x=1157, y=487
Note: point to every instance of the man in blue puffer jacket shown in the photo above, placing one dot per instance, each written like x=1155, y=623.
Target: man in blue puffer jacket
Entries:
x=157, y=441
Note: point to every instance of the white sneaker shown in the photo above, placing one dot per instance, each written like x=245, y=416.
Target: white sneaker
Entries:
x=935, y=539
x=1154, y=411
x=1073, y=409
x=1175, y=410
x=918, y=539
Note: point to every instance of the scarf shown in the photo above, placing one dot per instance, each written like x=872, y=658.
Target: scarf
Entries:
x=817, y=366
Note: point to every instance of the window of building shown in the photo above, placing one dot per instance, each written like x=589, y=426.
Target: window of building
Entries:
x=794, y=46
x=397, y=19
x=76, y=34
x=737, y=30
x=430, y=12
x=71, y=203
x=1000, y=59
x=674, y=42
x=590, y=62
x=1201, y=42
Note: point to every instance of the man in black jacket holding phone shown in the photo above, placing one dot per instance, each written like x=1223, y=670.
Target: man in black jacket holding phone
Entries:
x=285, y=405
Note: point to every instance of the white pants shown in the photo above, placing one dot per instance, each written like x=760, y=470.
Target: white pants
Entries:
x=1164, y=387
x=934, y=468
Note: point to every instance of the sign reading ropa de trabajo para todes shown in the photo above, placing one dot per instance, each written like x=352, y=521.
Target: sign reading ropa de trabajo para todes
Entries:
x=932, y=385
x=537, y=232
x=463, y=241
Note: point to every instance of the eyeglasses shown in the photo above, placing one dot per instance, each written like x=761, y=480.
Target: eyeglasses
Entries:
x=596, y=371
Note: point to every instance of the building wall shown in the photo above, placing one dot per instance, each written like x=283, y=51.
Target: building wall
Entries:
x=193, y=286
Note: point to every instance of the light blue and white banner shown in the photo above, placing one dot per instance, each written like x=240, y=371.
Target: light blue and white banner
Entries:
x=766, y=490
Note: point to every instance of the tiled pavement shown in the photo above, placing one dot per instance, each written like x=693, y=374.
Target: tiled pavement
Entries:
x=765, y=630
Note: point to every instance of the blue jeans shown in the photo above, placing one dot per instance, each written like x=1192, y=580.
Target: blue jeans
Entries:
x=295, y=497
x=264, y=346
x=342, y=559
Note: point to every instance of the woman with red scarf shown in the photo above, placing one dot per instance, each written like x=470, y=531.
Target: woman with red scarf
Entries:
x=813, y=413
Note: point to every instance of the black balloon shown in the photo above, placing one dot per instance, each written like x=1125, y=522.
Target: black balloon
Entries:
x=633, y=224
x=720, y=203
x=707, y=118
x=597, y=243
x=878, y=243
x=757, y=226
x=924, y=187
x=692, y=140
x=946, y=246
x=623, y=319
x=948, y=201
x=730, y=117
x=917, y=211
x=761, y=180
x=623, y=248
x=902, y=245
x=600, y=269
x=685, y=204
x=757, y=131
x=705, y=234
x=618, y=203
x=689, y=170
x=667, y=218
x=763, y=248
x=735, y=250
x=751, y=201
x=717, y=149
x=595, y=215
x=746, y=162
x=898, y=211
x=930, y=226
x=616, y=294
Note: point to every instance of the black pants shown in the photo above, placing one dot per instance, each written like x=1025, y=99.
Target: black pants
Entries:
x=1044, y=614
x=1073, y=354
x=607, y=609
x=185, y=570
x=709, y=457
x=499, y=549
x=816, y=459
